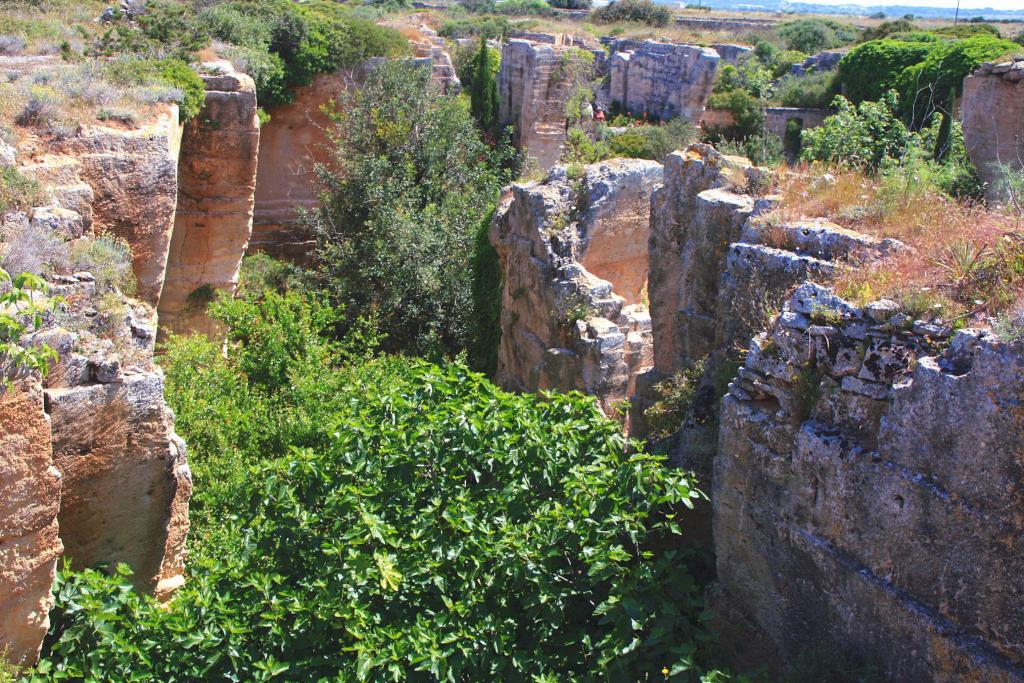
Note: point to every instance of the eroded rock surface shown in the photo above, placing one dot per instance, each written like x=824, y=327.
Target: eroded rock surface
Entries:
x=125, y=182
x=29, y=543
x=993, y=120
x=574, y=255
x=534, y=87
x=867, y=491
x=661, y=80
x=291, y=145
x=216, y=185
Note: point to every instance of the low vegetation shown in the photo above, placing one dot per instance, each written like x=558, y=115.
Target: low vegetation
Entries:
x=408, y=521
x=636, y=11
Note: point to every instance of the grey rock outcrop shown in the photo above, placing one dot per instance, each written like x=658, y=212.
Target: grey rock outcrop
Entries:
x=661, y=80
x=574, y=256
x=866, y=494
x=534, y=88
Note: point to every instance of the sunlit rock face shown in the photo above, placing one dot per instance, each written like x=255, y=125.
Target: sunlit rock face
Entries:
x=574, y=255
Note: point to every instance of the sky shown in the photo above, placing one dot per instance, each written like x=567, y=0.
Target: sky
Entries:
x=964, y=4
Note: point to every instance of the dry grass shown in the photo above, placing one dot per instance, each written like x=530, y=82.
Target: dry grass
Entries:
x=966, y=261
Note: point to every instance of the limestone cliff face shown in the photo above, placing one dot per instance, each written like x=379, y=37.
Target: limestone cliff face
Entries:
x=128, y=179
x=993, y=119
x=126, y=481
x=661, y=80
x=290, y=147
x=91, y=467
x=534, y=91
x=867, y=491
x=216, y=185
x=29, y=544
x=574, y=255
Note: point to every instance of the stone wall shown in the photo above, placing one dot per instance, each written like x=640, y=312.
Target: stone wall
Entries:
x=216, y=183
x=661, y=80
x=993, y=119
x=731, y=54
x=867, y=491
x=708, y=24
x=29, y=545
x=574, y=256
x=533, y=92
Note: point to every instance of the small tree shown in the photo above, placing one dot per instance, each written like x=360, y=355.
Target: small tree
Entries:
x=483, y=93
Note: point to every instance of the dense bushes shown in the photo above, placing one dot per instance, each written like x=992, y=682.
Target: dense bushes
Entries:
x=748, y=118
x=858, y=136
x=815, y=35
x=640, y=11
x=926, y=86
x=652, y=142
x=410, y=183
x=392, y=520
x=130, y=71
x=814, y=90
x=922, y=71
x=869, y=70
x=283, y=44
x=488, y=27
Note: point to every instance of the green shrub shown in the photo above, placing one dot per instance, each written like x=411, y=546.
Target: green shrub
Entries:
x=814, y=90
x=538, y=8
x=639, y=11
x=967, y=30
x=165, y=30
x=859, y=136
x=783, y=62
x=417, y=524
x=465, y=65
x=815, y=35
x=581, y=149
x=653, y=142
x=285, y=44
x=763, y=149
x=497, y=28
x=570, y=4
x=746, y=110
x=260, y=273
x=108, y=258
x=675, y=396
x=886, y=29
x=749, y=75
x=174, y=73
x=17, y=191
x=925, y=87
x=23, y=306
x=410, y=183
x=869, y=70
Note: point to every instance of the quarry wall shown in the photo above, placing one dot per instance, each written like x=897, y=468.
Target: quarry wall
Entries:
x=993, y=120
x=661, y=80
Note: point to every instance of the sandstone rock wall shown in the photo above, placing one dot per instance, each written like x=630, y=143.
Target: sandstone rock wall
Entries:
x=993, y=120
x=216, y=184
x=574, y=255
x=533, y=92
x=129, y=180
x=867, y=490
x=29, y=543
x=661, y=80
x=290, y=147
x=126, y=482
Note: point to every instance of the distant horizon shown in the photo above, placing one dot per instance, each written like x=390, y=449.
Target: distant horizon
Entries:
x=1002, y=5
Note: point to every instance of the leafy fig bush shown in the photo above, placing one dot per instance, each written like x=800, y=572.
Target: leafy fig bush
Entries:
x=417, y=524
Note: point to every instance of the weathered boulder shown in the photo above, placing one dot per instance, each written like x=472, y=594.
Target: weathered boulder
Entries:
x=661, y=80
x=993, y=120
x=29, y=544
x=216, y=186
x=574, y=256
x=866, y=494
x=534, y=86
